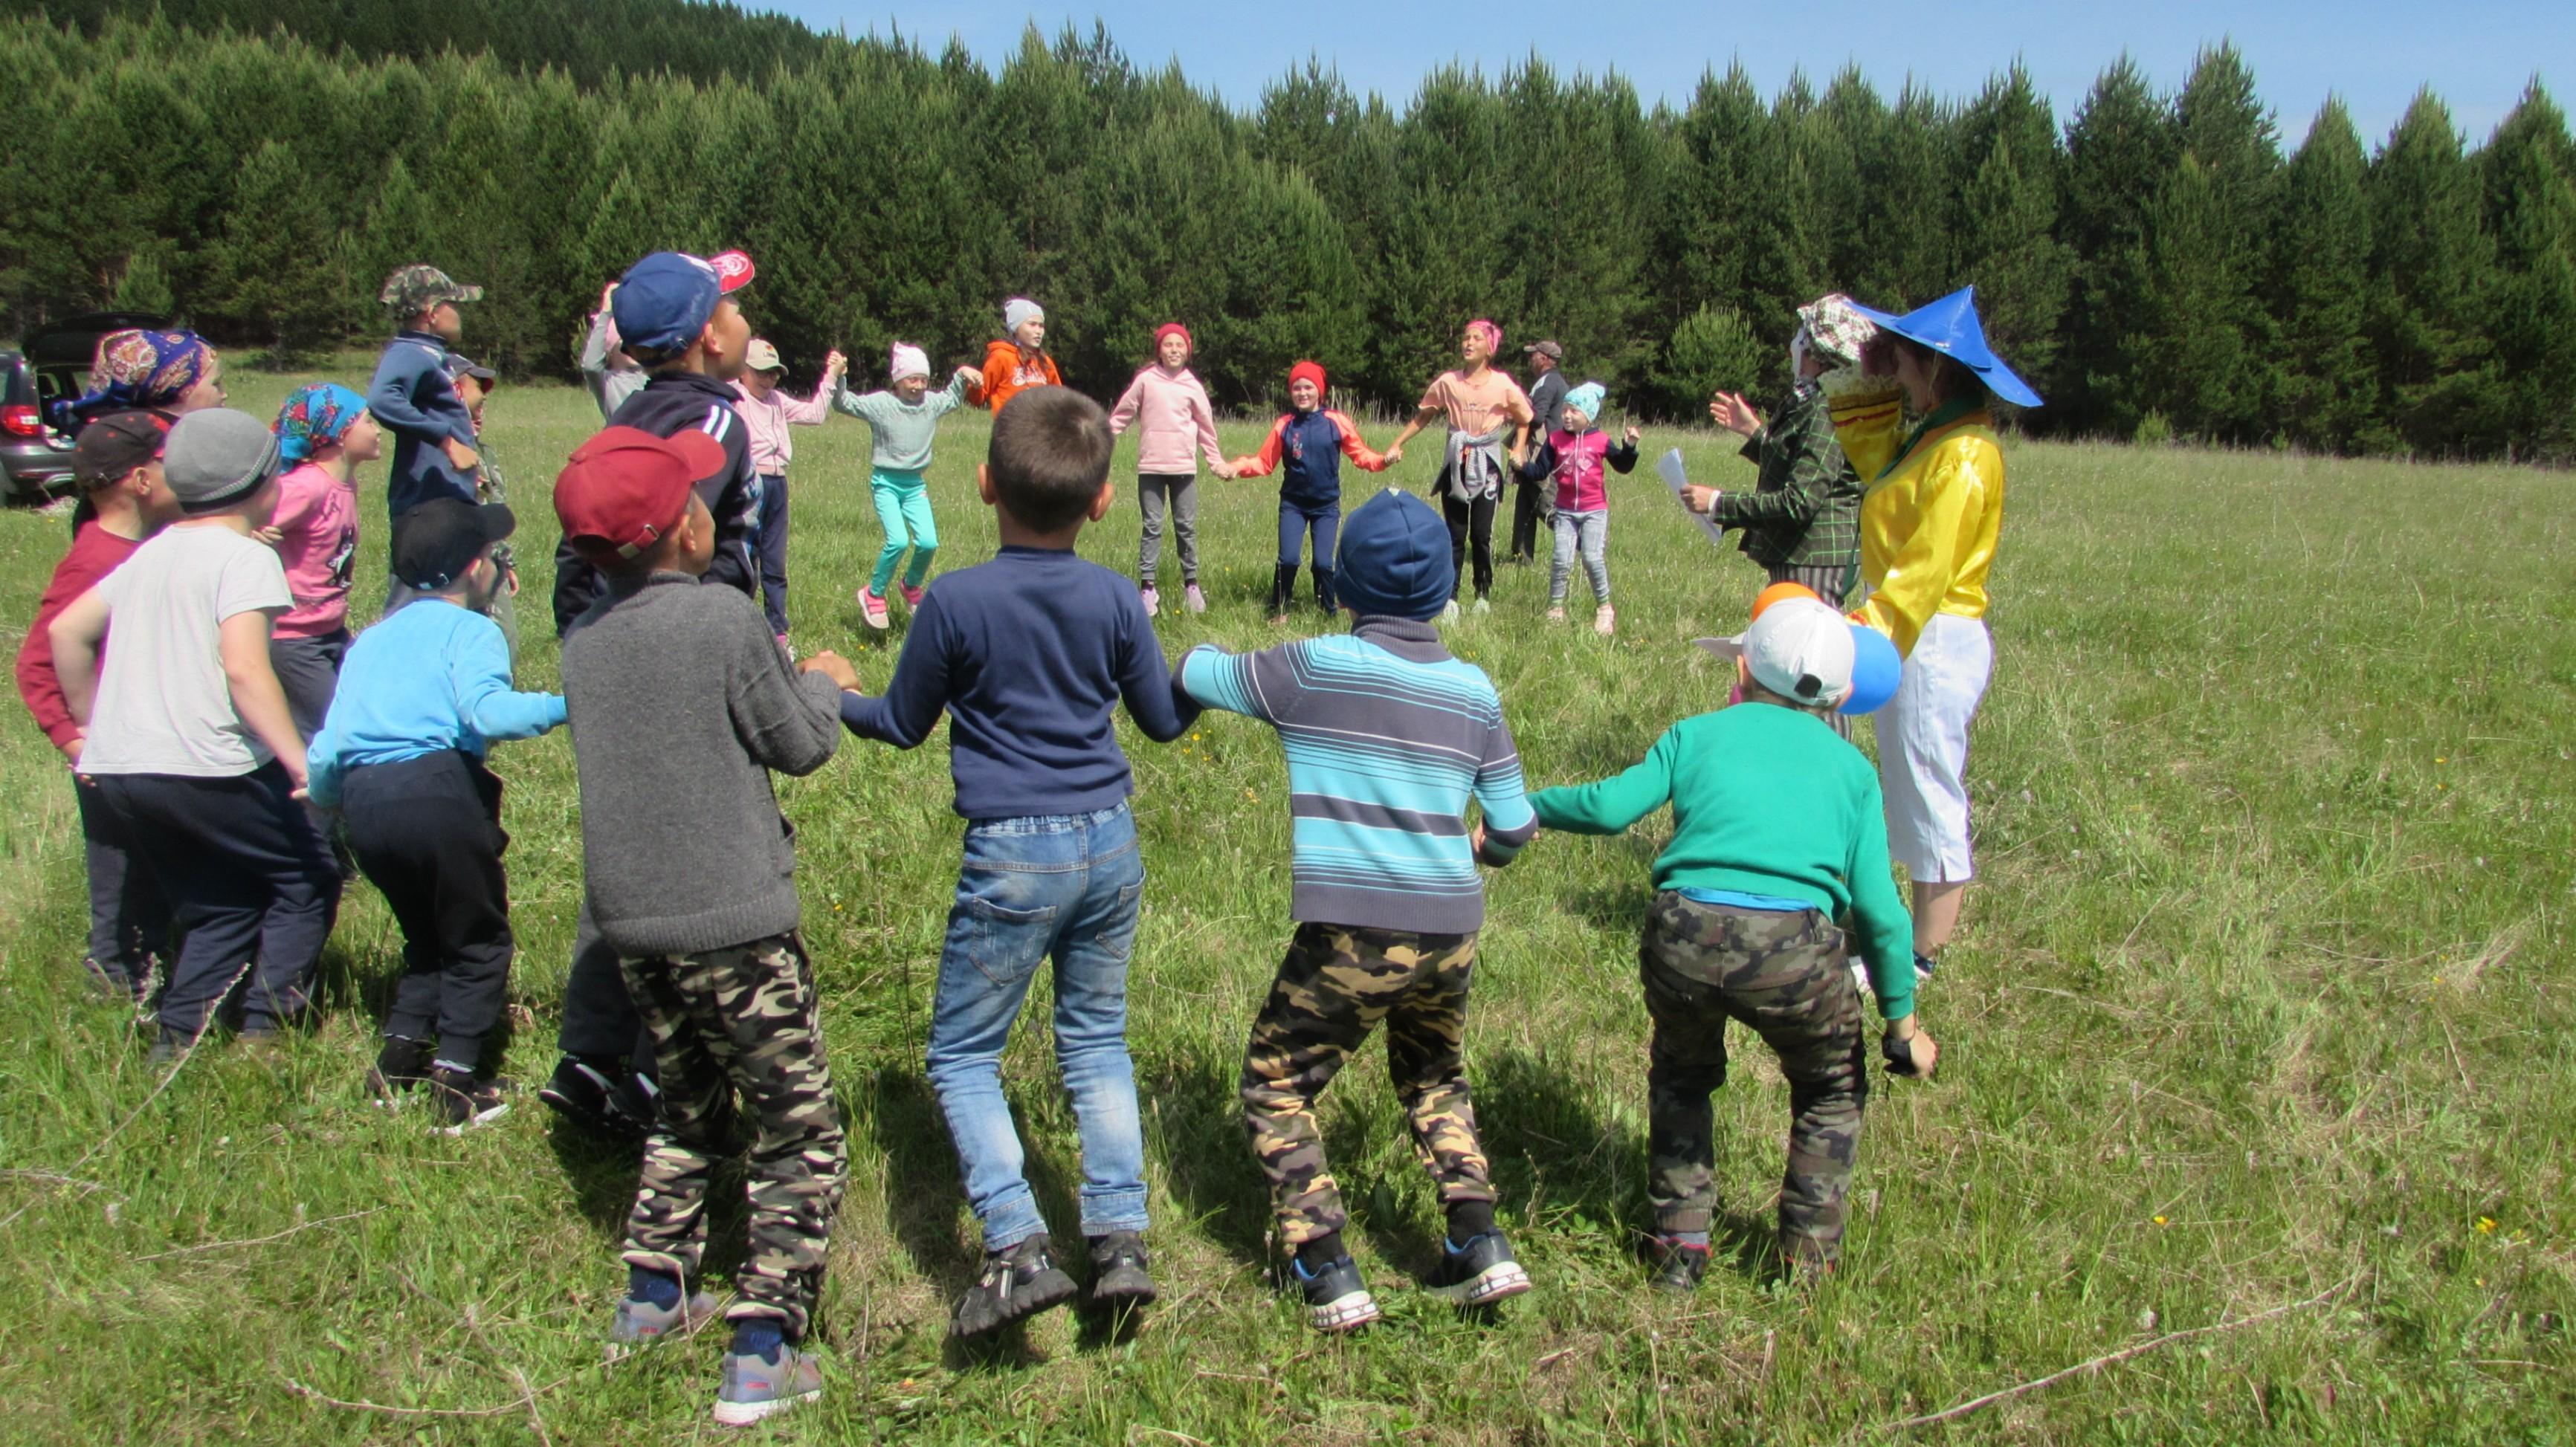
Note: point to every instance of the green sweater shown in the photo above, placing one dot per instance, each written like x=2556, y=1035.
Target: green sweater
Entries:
x=1766, y=800
x=903, y=429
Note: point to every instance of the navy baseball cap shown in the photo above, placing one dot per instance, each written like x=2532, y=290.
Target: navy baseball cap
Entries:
x=663, y=301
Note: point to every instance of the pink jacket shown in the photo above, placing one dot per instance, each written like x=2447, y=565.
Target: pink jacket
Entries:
x=1173, y=414
x=764, y=425
x=317, y=523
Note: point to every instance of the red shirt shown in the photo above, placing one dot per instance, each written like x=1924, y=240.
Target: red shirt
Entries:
x=95, y=553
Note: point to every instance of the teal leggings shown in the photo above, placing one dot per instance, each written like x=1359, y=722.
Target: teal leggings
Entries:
x=903, y=509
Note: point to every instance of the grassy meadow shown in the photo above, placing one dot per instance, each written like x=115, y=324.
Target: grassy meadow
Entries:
x=2258, y=1005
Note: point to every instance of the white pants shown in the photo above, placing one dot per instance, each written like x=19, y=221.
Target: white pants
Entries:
x=1923, y=748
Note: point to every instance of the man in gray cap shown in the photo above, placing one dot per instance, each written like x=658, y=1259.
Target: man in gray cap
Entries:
x=1534, y=505
x=414, y=395
x=189, y=737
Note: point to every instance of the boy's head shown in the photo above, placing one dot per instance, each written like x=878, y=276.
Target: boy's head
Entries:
x=1544, y=357
x=423, y=298
x=1306, y=390
x=118, y=463
x=1172, y=345
x=474, y=382
x=674, y=312
x=1394, y=559
x=629, y=505
x=1798, y=652
x=324, y=422
x=1582, y=407
x=444, y=546
x=222, y=461
x=762, y=368
x=1024, y=322
x=1049, y=464
x=908, y=368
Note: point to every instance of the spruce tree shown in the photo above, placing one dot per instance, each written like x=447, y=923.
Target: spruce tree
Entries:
x=2530, y=168
x=2432, y=274
x=268, y=277
x=2007, y=220
x=2319, y=293
x=2119, y=151
x=2222, y=123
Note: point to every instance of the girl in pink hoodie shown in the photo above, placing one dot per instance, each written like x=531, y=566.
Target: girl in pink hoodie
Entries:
x=1174, y=421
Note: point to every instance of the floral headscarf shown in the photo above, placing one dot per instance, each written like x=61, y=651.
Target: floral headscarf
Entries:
x=137, y=369
x=317, y=414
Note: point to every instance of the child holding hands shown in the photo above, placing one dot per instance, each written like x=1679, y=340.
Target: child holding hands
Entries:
x=902, y=422
x=1312, y=442
x=1174, y=419
x=1573, y=456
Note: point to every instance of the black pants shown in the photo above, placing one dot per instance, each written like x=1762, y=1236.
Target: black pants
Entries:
x=252, y=886
x=308, y=669
x=599, y=1018
x=773, y=549
x=427, y=831
x=129, y=916
x=1471, y=523
x=1533, y=503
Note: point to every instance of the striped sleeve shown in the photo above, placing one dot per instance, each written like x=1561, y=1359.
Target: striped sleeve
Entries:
x=1229, y=681
x=1509, y=822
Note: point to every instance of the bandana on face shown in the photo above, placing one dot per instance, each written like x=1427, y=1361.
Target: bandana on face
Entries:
x=317, y=414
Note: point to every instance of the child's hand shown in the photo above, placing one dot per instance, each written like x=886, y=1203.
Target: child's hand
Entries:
x=1476, y=841
x=465, y=458
x=1913, y=1054
x=833, y=666
x=974, y=376
x=272, y=535
x=1393, y=455
x=1632, y=434
x=1222, y=470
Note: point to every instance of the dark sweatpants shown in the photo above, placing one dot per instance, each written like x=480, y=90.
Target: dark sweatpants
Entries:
x=308, y=669
x=600, y=1020
x=129, y=916
x=252, y=886
x=772, y=546
x=1533, y=503
x=1471, y=522
x=427, y=831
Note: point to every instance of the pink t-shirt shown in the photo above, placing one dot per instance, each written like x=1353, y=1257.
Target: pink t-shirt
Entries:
x=1478, y=406
x=317, y=514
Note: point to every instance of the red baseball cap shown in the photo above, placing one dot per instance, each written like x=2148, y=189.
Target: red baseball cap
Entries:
x=625, y=489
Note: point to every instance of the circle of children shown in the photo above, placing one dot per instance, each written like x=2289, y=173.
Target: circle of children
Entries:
x=233, y=730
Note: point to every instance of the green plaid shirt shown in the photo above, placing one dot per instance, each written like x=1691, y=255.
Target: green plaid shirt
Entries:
x=1805, y=512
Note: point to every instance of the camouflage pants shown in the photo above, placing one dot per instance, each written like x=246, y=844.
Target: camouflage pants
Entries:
x=740, y=1021
x=1785, y=975
x=1334, y=987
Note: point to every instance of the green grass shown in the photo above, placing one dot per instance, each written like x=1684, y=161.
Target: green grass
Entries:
x=2261, y=994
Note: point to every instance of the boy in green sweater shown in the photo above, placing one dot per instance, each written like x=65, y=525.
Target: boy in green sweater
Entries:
x=1778, y=832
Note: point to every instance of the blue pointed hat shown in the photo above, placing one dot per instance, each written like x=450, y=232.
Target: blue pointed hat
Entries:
x=1949, y=326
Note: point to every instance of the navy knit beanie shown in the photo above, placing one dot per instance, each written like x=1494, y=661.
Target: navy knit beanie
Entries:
x=1394, y=559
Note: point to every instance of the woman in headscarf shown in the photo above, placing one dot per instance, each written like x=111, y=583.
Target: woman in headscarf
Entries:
x=1928, y=525
x=135, y=370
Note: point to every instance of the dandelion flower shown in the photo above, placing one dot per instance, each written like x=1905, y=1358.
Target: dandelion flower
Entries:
x=2159, y=1220
x=2486, y=1225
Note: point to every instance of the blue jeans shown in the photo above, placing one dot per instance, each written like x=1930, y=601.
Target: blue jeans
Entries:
x=1062, y=887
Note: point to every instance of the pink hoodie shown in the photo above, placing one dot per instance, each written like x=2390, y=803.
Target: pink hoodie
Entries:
x=1173, y=412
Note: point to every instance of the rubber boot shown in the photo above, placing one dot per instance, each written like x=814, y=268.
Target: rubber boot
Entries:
x=1283, y=587
x=1324, y=598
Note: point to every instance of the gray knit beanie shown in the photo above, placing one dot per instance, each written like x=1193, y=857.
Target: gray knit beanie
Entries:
x=216, y=456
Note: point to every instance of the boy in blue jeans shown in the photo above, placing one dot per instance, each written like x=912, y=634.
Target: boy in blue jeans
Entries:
x=1027, y=654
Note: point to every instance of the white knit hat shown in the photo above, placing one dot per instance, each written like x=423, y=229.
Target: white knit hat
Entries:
x=908, y=361
x=1017, y=310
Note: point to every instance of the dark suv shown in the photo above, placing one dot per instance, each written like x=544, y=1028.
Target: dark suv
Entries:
x=54, y=365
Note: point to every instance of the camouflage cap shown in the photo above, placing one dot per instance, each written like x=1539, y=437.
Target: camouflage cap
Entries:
x=416, y=288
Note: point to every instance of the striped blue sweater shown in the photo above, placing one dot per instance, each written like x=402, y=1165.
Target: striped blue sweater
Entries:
x=1387, y=738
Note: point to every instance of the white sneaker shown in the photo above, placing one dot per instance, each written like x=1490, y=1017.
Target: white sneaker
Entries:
x=1481, y=609
x=1449, y=611
x=1556, y=613
x=1604, y=621
x=1153, y=601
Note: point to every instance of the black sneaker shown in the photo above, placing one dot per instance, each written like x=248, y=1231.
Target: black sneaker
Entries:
x=402, y=1065
x=1118, y=1267
x=589, y=1096
x=1480, y=1271
x=464, y=1099
x=1017, y=1282
x=1336, y=1299
x=1678, y=1264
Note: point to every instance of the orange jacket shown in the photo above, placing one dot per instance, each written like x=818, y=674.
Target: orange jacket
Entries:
x=1006, y=375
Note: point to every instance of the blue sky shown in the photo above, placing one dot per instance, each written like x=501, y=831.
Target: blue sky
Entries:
x=2476, y=54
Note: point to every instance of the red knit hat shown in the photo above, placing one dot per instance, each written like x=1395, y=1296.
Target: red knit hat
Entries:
x=1310, y=371
x=1173, y=329
x=625, y=488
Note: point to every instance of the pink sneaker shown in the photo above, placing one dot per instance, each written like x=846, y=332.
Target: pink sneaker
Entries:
x=1196, y=600
x=872, y=607
x=911, y=595
x=1153, y=601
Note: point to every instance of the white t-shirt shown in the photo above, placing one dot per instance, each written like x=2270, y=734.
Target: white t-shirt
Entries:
x=164, y=705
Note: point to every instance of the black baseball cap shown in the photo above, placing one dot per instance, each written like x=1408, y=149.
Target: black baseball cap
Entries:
x=437, y=541
x=111, y=447
x=468, y=367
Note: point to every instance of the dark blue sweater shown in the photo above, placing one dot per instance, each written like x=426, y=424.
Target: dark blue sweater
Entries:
x=413, y=398
x=1028, y=653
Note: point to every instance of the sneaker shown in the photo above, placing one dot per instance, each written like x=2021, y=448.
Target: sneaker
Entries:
x=1449, y=611
x=1017, y=1281
x=758, y=1387
x=1336, y=1299
x=1153, y=601
x=1118, y=1263
x=107, y=984
x=872, y=608
x=1480, y=1271
x=1678, y=1265
x=464, y=1099
x=911, y=594
x=402, y=1065
x=1556, y=613
x=640, y=1323
x=783, y=646
x=622, y=1105
x=1605, y=620
x=1193, y=599
x=1482, y=607
x=1924, y=965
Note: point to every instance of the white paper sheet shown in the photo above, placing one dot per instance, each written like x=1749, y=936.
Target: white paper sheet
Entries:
x=1669, y=468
